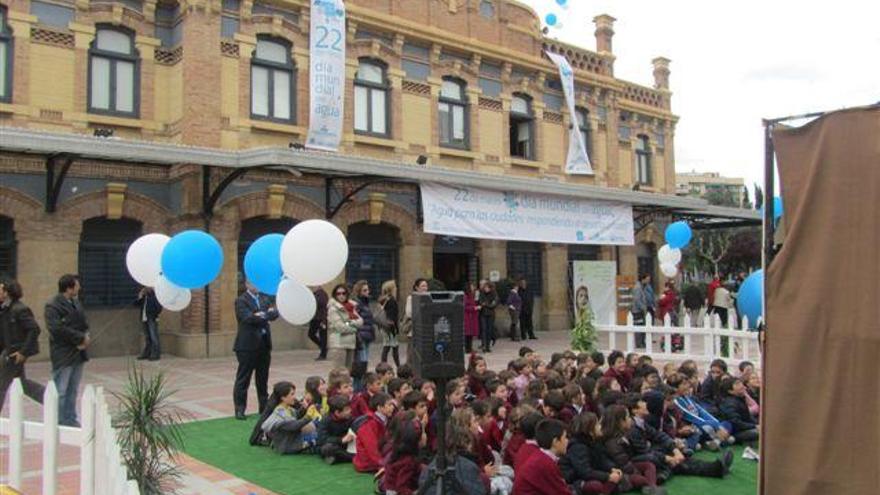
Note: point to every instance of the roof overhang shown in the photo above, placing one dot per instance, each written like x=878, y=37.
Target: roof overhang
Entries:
x=336, y=164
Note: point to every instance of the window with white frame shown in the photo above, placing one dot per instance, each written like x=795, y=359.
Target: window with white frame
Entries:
x=114, y=72
x=453, y=114
x=273, y=81
x=643, y=160
x=522, y=132
x=6, y=55
x=371, y=100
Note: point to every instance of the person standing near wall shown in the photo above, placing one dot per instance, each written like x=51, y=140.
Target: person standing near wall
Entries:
x=526, y=322
x=487, y=303
x=68, y=341
x=318, y=325
x=18, y=341
x=640, y=306
x=253, y=347
x=150, y=309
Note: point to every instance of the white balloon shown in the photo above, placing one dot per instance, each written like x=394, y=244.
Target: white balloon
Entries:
x=669, y=269
x=314, y=252
x=170, y=296
x=144, y=258
x=295, y=302
x=669, y=255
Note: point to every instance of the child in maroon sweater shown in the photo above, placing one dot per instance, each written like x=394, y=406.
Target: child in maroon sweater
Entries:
x=402, y=466
x=540, y=474
x=360, y=404
x=371, y=435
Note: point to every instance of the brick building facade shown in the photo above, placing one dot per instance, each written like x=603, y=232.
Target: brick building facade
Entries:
x=233, y=75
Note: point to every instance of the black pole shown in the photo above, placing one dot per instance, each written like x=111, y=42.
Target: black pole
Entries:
x=206, y=215
x=441, y=437
x=769, y=188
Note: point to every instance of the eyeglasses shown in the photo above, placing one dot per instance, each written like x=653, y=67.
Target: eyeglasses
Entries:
x=341, y=293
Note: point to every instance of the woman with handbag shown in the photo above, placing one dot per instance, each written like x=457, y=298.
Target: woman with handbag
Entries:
x=343, y=322
x=406, y=326
x=386, y=318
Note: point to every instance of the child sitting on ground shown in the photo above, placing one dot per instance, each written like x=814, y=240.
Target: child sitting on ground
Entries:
x=286, y=427
x=334, y=432
x=371, y=435
x=402, y=465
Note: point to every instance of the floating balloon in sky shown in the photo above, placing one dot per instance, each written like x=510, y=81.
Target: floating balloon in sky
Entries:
x=551, y=19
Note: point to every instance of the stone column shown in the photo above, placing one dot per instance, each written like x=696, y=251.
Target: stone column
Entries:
x=416, y=261
x=493, y=257
x=47, y=248
x=554, y=304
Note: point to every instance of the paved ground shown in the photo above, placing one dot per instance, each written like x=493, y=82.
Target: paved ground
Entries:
x=204, y=390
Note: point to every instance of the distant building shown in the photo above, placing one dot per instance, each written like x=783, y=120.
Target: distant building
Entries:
x=701, y=183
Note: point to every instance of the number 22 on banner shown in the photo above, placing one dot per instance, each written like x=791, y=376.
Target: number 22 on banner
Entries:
x=324, y=33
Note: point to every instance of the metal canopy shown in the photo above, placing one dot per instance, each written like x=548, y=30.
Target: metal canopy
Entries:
x=339, y=165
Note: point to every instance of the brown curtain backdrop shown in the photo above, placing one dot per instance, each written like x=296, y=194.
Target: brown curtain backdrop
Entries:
x=821, y=423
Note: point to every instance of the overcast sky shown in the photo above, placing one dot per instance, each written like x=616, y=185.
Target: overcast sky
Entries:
x=736, y=62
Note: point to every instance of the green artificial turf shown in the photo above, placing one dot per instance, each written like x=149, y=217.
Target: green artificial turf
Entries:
x=223, y=443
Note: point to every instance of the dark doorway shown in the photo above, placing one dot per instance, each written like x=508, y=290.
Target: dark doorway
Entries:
x=455, y=263
x=372, y=255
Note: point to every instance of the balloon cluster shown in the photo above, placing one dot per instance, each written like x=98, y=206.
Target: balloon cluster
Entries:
x=175, y=265
x=551, y=19
x=678, y=236
x=312, y=253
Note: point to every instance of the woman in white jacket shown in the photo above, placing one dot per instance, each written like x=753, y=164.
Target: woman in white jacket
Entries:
x=343, y=322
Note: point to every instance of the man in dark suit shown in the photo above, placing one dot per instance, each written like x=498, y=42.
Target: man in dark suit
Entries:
x=253, y=347
x=18, y=341
x=68, y=341
x=150, y=309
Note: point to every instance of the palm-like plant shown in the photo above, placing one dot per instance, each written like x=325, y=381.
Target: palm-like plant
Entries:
x=583, y=335
x=148, y=427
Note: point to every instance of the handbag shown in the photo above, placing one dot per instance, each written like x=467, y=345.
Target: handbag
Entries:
x=381, y=318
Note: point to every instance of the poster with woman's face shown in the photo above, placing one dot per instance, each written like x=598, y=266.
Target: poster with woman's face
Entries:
x=594, y=288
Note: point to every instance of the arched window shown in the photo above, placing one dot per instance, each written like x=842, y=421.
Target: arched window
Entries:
x=525, y=259
x=372, y=255
x=643, y=160
x=7, y=248
x=583, y=123
x=102, y=247
x=256, y=227
x=371, y=102
x=114, y=75
x=273, y=96
x=453, y=114
x=6, y=56
x=522, y=132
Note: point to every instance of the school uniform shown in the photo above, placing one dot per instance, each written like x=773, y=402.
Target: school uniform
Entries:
x=330, y=434
x=580, y=469
x=529, y=448
x=370, y=440
x=402, y=475
x=540, y=475
x=513, y=445
x=360, y=404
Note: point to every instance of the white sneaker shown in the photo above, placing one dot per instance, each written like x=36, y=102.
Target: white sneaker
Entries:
x=730, y=440
x=750, y=454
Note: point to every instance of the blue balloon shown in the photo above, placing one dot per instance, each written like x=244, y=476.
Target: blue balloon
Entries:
x=678, y=235
x=561, y=3
x=777, y=208
x=192, y=259
x=750, y=299
x=262, y=263
x=550, y=19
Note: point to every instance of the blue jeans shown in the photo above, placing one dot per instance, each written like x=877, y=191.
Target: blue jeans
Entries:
x=67, y=380
x=361, y=355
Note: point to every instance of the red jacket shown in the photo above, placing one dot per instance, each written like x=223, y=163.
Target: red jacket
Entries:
x=710, y=291
x=567, y=414
x=516, y=442
x=623, y=379
x=360, y=404
x=540, y=475
x=471, y=316
x=370, y=440
x=524, y=454
x=477, y=387
x=492, y=435
x=402, y=475
x=667, y=304
x=482, y=451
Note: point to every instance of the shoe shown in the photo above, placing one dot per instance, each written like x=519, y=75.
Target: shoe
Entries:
x=330, y=460
x=532, y=337
x=141, y=357
x=727, y=461
x=730, y=440
x=698, y=447
x=240, y=415
x=321, y=358
x=713, y=446
x=153, y=358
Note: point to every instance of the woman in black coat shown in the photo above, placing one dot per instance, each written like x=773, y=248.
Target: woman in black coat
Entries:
x=367, y=332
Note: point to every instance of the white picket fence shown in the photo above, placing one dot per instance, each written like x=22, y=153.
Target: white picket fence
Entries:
x=102, y=471
x=701, y=343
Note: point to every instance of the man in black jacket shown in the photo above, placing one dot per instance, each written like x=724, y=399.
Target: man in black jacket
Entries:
x=18, y=341
x=150, y=309
x=253, y=347
x=526, y=325
x=68, y=341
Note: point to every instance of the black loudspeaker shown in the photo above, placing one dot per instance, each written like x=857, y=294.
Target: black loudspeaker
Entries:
x=438, y=335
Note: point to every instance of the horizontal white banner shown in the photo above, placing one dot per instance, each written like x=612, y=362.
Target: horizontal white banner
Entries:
x=515, y=216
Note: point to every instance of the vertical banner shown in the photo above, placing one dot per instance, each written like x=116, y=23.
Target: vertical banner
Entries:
x=577, y=161
x=326, y=74
x=594, y=287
